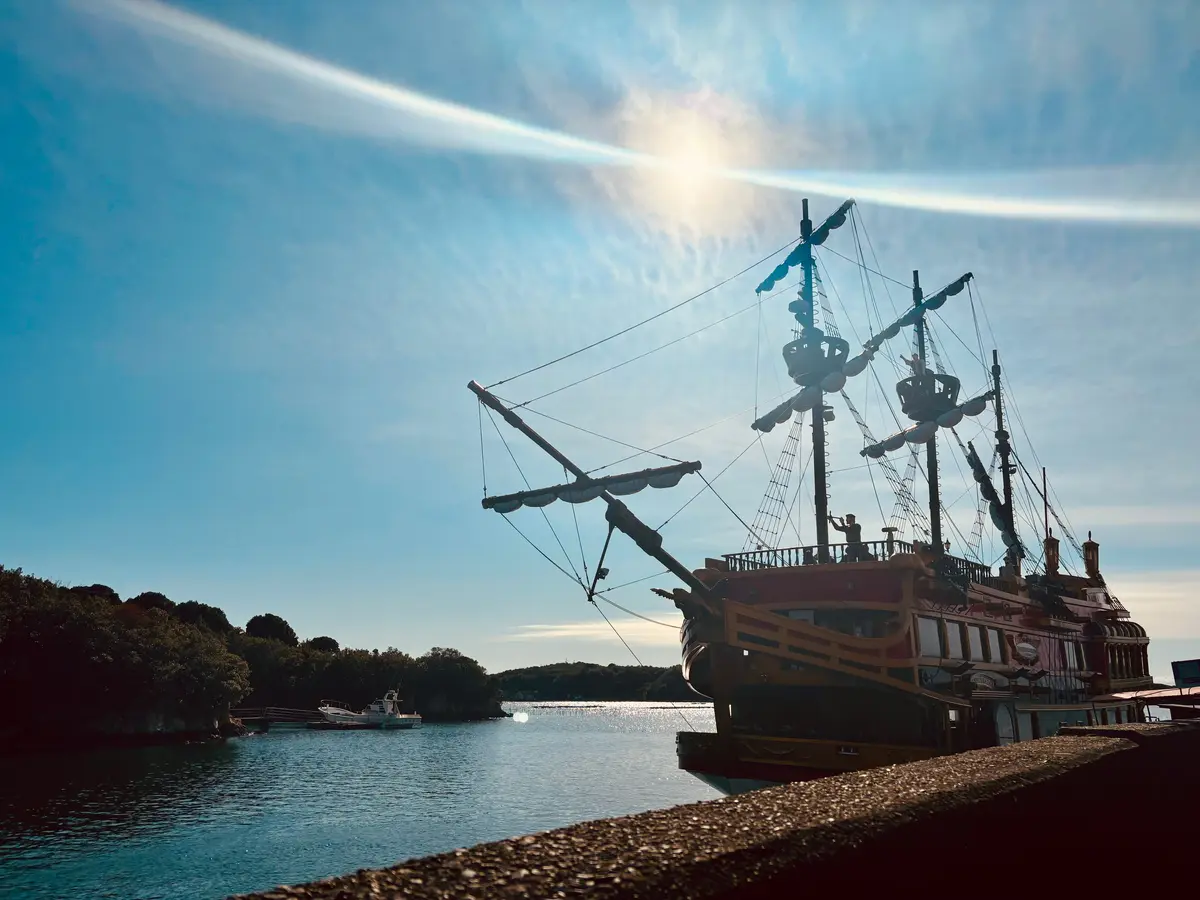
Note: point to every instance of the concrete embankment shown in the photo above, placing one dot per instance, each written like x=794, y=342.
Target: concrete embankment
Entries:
x=1092, y=807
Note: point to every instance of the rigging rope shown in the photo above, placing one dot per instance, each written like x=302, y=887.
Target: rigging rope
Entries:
x=635, y=657
x=637, y=615
x=574, y=578
x=872, y=271
x=634, y=359
x=726, y=505
x=578, y=536
x=740, y=412
x=566, y=555
x=706, y=487
x=640, y=450
x=482, y=455
x=645, y=321
x=635, y=581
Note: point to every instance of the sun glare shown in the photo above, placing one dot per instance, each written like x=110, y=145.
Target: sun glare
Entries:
x=694, y=139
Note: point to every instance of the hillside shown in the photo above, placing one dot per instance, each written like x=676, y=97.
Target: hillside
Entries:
x=590, y=681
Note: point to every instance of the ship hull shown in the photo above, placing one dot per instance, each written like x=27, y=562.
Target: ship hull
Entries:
x=826, y=668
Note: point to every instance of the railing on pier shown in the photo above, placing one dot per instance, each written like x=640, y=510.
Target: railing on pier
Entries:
x=865, y=551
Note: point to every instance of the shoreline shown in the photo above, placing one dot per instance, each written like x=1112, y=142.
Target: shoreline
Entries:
x=14, y=746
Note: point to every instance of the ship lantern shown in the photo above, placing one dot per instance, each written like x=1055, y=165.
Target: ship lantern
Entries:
x=927, y=396
x=1091, y=557
x=813, y=356
x=1051, y=544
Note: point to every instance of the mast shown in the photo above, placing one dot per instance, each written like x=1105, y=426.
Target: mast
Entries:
x=1045, y=507
x=820, y=487
x=931, y=460
x=1005, y=449
x=619, y=515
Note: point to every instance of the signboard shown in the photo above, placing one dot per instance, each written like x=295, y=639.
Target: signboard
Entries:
x=1186, y=672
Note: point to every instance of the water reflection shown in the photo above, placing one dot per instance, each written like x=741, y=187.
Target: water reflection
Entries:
x=110, y=794
x=211, y=820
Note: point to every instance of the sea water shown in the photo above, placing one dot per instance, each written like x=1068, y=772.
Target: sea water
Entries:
x=208, y=820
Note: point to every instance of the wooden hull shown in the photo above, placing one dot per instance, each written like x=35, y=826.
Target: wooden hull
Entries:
x=828, y=668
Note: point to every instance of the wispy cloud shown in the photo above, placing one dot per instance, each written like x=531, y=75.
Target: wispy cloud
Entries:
x=636, y=631
x=339, y=98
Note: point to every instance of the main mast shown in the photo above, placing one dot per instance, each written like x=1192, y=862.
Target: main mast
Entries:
x=1005, y=449
x=820, y=487
x=931, y=460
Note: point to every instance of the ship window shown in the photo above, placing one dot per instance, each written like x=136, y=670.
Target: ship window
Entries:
x=929, y=636
x=868, y=623
x=975, y=635
x=954, y=641
x=995, y=645
x=1074, y=656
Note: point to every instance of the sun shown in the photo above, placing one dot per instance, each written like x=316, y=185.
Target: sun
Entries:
x=689, y=139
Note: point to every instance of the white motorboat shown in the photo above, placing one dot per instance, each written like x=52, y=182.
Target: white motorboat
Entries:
x=383, y=713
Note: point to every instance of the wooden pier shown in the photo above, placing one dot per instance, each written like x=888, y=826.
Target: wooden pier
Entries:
x=264, y=718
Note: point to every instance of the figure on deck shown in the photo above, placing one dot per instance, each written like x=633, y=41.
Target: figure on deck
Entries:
x=855, y=551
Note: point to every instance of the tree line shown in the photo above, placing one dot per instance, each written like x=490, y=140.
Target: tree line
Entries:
x=80, y=661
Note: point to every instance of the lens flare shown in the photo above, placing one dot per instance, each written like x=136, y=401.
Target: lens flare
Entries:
x=352, y=102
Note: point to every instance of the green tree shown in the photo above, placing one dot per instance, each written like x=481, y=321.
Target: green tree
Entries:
x=152, y=600
x=272, y=628
x=99, y=592
x=211, y=617
x=118, y=668
x=324, y=643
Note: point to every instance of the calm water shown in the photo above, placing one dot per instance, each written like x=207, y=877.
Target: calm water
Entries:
x=206, y=821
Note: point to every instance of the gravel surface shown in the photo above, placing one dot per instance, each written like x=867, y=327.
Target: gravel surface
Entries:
x=704, y=849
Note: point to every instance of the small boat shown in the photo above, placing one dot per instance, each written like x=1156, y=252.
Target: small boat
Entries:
x=383, y=713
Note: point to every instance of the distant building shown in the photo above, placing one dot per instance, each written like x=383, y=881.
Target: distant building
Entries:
x=1186, y=672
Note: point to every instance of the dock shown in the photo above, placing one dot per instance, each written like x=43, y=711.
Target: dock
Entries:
x=266, y=718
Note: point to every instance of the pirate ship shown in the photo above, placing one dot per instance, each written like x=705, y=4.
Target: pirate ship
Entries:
x=828, y=657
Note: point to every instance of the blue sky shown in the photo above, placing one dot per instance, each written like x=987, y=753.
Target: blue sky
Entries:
x=250, y=255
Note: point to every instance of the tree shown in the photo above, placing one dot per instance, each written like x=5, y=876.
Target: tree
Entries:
x=98, y=591
x=152, y=600
x=272, y=628
x=122, y=669
x=202, y=614
x=324, y=643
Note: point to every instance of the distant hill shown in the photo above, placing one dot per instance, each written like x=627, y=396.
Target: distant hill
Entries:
x=590, y=681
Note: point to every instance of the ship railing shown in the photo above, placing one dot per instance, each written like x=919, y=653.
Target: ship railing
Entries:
x=965, y=568
x=786, y=557
x=866, y=551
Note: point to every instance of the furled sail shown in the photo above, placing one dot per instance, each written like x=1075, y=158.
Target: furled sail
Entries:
x=837, y=220
x=922, y=432
x=836, y=380
x=584, y=489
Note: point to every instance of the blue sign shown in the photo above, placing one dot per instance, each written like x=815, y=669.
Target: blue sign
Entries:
x=1186, y=672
